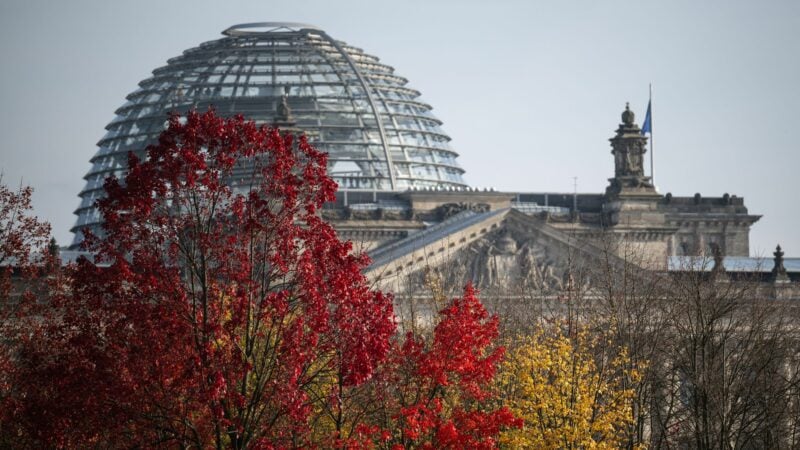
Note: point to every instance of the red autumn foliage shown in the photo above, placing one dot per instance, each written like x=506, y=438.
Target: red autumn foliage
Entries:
x=441, y=386
x=20, y=232
x=209, y=309
x=23, y=241
x=431, y=392
x=221, y=311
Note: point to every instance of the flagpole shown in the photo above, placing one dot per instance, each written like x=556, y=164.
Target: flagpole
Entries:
x=652, y=170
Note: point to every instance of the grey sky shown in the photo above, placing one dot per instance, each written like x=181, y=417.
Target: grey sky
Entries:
x=529, y=91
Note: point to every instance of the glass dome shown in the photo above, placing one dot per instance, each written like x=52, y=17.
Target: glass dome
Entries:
x=379, y=135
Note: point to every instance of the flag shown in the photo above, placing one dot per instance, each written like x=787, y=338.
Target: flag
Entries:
x=647, y=125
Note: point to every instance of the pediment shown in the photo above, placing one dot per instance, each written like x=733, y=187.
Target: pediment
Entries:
x=501, y=252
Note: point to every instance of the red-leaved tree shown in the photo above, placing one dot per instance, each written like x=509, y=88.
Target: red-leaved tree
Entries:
x=220, y=311
x=23, y=258
x=434, y=391
x=217, y=299
x=443, y=387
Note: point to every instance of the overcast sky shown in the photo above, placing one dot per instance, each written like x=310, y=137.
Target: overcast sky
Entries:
x=530, y=91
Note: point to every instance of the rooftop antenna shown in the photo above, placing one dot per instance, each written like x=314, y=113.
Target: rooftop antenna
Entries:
x=575, y=195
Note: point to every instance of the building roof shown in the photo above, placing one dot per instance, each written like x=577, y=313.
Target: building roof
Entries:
x=384, y=255
x=731, y=264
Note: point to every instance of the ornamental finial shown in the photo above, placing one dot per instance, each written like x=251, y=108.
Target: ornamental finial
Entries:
x=778, y=269
x=627, y=115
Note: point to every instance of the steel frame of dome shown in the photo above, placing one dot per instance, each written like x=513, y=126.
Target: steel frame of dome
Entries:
x=377, y=133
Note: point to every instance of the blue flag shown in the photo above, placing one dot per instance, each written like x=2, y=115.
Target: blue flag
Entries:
x=647, y=126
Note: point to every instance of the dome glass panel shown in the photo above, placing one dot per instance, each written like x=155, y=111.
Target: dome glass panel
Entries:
x=378, y=134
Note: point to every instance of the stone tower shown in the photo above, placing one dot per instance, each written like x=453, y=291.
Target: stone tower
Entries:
x=631, y=203
x=629, y=146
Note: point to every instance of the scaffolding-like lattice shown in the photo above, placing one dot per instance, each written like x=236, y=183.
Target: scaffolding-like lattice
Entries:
x=379, y=135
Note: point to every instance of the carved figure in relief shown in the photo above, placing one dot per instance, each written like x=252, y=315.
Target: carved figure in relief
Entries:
x=537, y=271
x=450, y=209
x=499, y=261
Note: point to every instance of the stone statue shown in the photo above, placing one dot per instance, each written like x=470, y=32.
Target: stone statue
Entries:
x=451, y=209
x=283, y=113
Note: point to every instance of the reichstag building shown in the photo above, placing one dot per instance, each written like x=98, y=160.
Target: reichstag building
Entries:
x=402, y=195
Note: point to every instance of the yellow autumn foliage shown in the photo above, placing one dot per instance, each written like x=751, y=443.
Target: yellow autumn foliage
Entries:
x=568, y=390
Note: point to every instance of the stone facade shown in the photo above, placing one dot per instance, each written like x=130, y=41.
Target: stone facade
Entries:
x=427, y=227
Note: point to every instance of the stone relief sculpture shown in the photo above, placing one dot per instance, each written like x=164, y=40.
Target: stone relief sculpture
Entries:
x=450, y=209
x=540, y=272
x=500, y=262
x=505, y=262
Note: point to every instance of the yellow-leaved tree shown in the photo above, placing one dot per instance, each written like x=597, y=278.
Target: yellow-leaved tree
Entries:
x=568, y=390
